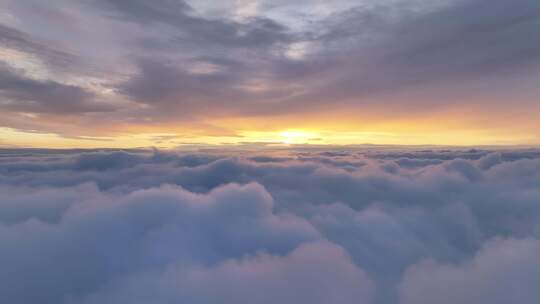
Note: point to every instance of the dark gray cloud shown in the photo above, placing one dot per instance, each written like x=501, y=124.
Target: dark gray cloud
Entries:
x=159, y=83
x=477, y=37
x=24, y=94
x=192, y=29
x=436, y=56
x=23, y=89
x=15, y=39
x=165, y=11
x=449, y=53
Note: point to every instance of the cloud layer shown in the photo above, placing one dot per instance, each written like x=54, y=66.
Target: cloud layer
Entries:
x=371, y=225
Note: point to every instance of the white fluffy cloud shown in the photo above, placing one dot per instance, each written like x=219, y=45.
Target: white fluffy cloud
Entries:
x=312, y=273
x=101, y=237
x=503, y=271
x=353, y=226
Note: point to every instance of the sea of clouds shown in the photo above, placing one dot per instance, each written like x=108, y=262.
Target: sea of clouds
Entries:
x=301, y=225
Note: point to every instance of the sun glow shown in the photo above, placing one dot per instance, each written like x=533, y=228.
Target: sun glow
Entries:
x=297, y=136
x=166, y=140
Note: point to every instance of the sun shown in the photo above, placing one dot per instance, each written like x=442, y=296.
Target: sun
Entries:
x=296, y=136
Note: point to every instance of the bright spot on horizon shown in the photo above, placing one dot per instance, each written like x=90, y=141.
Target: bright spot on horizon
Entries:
x=297, y=136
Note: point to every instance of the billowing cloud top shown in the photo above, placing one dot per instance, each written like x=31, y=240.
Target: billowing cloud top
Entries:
x=373, y=226
x=126, y=73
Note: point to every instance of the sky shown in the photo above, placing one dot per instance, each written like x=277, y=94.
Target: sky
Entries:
x=166, y=73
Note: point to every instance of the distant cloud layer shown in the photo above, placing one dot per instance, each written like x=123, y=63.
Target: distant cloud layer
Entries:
x=174, y=64
x=372, y=225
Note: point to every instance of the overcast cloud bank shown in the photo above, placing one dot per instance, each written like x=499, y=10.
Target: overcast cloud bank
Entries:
x=89, y=68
